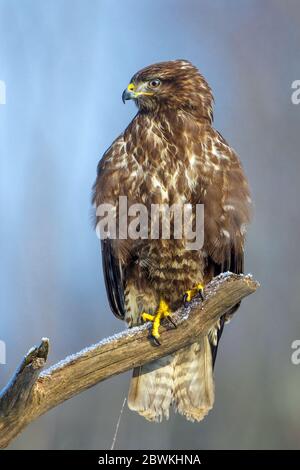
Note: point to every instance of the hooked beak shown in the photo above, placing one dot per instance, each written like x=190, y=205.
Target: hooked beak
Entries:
x=129, y=93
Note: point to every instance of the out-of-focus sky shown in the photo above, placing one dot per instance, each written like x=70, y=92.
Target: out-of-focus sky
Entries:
x=65, y=64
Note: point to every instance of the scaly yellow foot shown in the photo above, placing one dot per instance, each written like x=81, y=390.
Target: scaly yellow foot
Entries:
x=191, y=293
x=162, y=312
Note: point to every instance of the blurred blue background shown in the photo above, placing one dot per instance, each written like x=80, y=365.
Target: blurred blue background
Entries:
x=65, y=64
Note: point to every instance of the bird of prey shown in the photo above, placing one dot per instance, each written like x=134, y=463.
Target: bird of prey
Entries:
x=170, y=153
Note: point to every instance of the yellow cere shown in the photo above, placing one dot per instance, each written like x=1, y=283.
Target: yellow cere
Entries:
x=132, y=87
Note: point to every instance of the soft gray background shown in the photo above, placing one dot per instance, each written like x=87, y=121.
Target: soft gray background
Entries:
x=65, y=64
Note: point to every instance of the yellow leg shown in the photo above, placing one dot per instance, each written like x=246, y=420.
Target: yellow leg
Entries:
x=191, y=293
x=147, y=317
x=162, y=312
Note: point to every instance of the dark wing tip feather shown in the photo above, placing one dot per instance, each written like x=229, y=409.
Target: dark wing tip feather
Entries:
x=113, y=279
x=234, y=264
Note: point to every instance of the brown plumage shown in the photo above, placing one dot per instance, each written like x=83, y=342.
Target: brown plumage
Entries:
x=170, y=153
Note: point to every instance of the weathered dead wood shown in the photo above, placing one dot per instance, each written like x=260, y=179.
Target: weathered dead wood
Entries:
x=31, y=393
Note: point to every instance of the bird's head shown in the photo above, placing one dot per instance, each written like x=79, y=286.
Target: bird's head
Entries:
x=176, y=85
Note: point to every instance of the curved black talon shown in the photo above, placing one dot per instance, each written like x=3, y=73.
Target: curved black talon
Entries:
x=156, y=341
x=185, y=301
x=171, y=321
x=200, y=294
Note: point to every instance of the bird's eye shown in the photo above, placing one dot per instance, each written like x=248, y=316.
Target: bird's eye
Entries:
x=154, y=83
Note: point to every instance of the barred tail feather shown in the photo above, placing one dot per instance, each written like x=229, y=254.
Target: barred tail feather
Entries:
x=193, y=394
x=150, y=392
x=184, y=379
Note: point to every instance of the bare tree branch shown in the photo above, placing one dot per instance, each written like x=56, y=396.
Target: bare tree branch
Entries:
x=32, y=393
